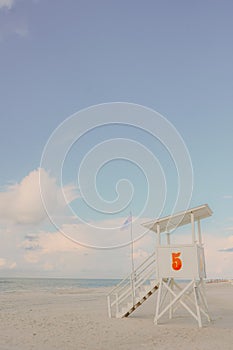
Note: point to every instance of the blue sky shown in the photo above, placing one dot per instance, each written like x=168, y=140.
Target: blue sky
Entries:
x=57, y=58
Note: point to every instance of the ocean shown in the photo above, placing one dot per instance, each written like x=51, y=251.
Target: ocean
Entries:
x=12, y=285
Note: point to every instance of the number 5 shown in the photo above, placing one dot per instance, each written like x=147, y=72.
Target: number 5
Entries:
x=176, y=261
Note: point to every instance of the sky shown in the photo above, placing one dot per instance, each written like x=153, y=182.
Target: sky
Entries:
x=128, y=58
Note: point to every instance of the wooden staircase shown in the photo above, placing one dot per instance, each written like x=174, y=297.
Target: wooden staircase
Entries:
x=140, y=302
x=134, y=290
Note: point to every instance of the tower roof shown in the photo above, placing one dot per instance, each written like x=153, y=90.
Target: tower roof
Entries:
x=171, y=222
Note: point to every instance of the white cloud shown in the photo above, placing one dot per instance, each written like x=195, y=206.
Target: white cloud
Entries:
x=8, y=4
x=52, y=252
x=219, y=258
x=6, y=264
x=31, y=258
x=228, y=196
x=22, y=204
x=21, y=30
x=48, y=243
x=60, y=254
x=2, y=262
x=48, y=266
x=12, y=265
x=13, y=22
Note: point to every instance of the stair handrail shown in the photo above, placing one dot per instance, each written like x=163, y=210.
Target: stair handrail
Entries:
x=123, y=290
x=127, y=293
x=143, y=278
x=128, y=278
x=145, y=269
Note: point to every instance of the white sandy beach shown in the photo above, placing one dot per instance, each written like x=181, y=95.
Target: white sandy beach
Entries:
x=78, y=320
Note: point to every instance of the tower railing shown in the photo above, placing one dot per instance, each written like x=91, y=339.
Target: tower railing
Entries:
x=127, y=293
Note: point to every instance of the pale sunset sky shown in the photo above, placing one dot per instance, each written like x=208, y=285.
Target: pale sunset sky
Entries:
x=61, y=57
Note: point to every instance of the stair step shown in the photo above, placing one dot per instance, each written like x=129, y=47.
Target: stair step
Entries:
x=121, y=294
x=126, y=311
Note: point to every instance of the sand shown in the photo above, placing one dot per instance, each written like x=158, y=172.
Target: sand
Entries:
x=78, y=320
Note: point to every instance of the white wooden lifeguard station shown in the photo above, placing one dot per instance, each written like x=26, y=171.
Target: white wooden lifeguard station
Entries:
x=177, y=272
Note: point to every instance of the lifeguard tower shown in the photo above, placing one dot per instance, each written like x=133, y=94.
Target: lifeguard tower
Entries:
x=181, y=268
x=175, y=271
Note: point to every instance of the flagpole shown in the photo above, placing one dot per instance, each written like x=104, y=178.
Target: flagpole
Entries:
x=132, y=248
x=132, y=260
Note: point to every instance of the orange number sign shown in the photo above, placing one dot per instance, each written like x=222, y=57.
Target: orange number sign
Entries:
x=176, y=261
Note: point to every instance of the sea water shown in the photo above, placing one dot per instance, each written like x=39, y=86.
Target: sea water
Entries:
x=11, y=285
